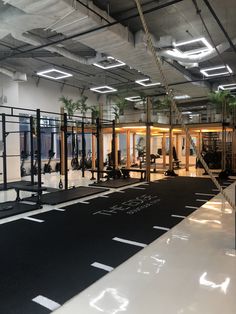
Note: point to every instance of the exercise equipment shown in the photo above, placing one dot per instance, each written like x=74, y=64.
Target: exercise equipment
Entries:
x=24, y=156
x=47, y=167
x=34, y=169
x=75, y=151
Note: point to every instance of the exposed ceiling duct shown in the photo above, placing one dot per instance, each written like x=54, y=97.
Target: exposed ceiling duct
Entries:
x=67, y=17
x=37, y=41
x=14, y=75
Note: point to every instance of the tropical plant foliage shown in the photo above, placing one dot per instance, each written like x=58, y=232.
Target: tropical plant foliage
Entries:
x=95, y=111
x=223, y=100
x=70, y=106
x=119, y=106
x=82, y=104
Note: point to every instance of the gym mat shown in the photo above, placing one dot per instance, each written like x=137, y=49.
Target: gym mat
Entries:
x=9, y=209
x=54, y=258
x=9, y=185
x=23, y=182
x=117, y=183
x=63, y=196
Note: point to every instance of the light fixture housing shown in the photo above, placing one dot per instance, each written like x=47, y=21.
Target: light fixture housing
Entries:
x=134, y=98
x=103, y=89
x=143, y=82
x=227, y=86
x=225, y=69
x=180, y=97
x=58, y=74
x=206, y=46
x=113, y=64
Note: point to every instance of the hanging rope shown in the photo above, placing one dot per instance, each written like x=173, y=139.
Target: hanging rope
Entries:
x=170, y=94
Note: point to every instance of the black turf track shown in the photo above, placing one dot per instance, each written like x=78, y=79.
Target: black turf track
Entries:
x=118, y=183
x=63, y=196
x=53, y=258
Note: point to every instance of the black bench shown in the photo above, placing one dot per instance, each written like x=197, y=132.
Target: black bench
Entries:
x=176, y=163
x=28, y=188
x=98, y=171
x=126, y=172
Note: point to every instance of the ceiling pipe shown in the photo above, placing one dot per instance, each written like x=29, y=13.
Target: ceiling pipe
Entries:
x=76, y=36
x=14, y=75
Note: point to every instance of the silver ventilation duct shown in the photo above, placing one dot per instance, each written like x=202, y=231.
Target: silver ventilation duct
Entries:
x=14, y=75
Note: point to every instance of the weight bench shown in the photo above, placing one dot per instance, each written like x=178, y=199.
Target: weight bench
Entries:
x=176, y=163
x=98, y=171
x=126, y=172
x=28, y=188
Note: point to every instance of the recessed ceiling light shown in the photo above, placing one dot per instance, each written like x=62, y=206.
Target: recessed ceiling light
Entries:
x=142, y=82
x=206, y=46
x=182, y=97
x=227, y=86
x=134, y=98
x=225, y=70
x=54, y=74
x=110, y=63
x=103, y=89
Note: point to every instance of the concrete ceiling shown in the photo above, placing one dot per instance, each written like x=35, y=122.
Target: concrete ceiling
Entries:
x=178, y=20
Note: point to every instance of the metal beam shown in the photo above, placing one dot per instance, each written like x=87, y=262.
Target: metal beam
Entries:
x=43, y=54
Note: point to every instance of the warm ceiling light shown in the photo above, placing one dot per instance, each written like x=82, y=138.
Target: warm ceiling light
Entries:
x=134, y=98
x=227, y=86
x=103, y=89
x=142, y=82
x=54, y=74
x=226, y=70
x=179, y=97
x=112, y=63
x=206, y=46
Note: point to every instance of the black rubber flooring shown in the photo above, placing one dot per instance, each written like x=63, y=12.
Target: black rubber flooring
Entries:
x=54, y=258
x=63, y=196
x=118, y=183
x=10, y=184
x=17, y=208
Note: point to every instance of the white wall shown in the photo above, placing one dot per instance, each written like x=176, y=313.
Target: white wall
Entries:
x=44, y=96
x=10, y=89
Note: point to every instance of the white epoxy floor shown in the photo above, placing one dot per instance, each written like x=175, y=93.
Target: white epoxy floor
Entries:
x=190, y=269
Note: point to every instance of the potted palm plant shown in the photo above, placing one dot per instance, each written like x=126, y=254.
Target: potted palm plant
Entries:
x=119, y=107
x=95, y=113
x=82, y=105
x=70, y=106
x=223, y=100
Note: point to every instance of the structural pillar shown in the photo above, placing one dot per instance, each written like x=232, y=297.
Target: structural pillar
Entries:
x=187, y=153
x=134, y=149
x=148, y=140
x=128, y=148
x=164, y=150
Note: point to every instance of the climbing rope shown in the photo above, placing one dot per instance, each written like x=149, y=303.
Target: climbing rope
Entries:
x=170, y=94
